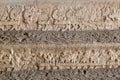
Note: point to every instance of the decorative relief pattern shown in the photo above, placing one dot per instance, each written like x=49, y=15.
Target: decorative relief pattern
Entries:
x=81, y=16
x=37, y=57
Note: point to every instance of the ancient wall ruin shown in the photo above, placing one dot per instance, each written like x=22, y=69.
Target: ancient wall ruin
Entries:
x=41, y=37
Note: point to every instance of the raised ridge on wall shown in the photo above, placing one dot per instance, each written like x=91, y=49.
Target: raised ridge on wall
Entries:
x=54, y=15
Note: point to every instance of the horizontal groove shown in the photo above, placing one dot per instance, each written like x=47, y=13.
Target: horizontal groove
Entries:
x=58, y=37
x=65, y=74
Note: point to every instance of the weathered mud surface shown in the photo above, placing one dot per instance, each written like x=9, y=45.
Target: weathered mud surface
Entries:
x=59, y=22
x=57, y=37
x=84, y=74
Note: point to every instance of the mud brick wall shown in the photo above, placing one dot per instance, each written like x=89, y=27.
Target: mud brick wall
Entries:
x=59, y=40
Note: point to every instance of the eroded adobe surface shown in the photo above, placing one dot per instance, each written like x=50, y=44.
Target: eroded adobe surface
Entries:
x=59, y=40
x=66, y=74
x=57, y=37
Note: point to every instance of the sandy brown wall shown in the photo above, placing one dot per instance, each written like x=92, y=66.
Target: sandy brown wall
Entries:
x=59, y=40
x=59, y=15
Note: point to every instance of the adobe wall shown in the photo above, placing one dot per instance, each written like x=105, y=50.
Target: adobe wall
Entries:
x=59, y=39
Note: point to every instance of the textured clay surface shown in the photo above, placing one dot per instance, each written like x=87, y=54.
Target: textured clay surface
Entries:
x=39, y=57
x=57, y=37
x=60, y=16
x=59, y=40
x=67, y=74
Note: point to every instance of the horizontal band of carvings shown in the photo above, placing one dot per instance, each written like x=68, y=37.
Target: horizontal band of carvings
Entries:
x=90, y=15
x=57, y=37
x=20, y=57
x=8, y=23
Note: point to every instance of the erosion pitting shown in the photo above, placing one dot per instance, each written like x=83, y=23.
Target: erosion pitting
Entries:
x=58, y=37
x=65, y=74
